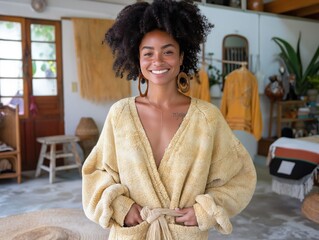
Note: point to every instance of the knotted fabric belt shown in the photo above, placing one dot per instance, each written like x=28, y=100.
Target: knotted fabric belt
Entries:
x=158, y=229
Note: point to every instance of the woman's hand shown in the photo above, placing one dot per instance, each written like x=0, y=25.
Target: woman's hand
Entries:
x=133, y=216
x=188, y=218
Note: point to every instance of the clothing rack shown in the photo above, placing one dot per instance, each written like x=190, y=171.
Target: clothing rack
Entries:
x=242, y=63
x=211, y=59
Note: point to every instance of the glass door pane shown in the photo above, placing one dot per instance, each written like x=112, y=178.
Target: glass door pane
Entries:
x=43, y=54
x=11, y=64
x=10, y=30
x=11, y=68
x=42, y=33
x=10, y=49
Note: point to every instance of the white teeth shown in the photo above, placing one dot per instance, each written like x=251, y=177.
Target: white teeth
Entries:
x=159, y=71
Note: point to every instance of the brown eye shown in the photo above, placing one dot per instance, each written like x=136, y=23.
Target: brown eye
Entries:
x=147, y=54
x=168, y=53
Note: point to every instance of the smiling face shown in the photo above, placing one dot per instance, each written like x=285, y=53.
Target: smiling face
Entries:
x=160, y=57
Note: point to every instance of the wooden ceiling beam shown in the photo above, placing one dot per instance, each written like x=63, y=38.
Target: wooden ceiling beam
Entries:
x=307, y=11
x=282, y=6
x=315, y=16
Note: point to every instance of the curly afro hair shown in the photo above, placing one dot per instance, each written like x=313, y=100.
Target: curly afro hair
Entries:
x=182, y=20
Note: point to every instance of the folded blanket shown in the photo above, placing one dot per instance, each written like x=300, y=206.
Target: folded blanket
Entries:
x=294, y=188
x=293, y=164
x=310, y=145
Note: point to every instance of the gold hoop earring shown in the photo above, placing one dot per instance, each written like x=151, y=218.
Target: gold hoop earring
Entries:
x=140, y=79
x=183, y=82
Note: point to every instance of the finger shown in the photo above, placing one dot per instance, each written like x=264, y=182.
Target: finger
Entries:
x=181, y=210
x=136, y=222
x=190, y=223
x=139, y=208
x=180, y=219
x=139, y=220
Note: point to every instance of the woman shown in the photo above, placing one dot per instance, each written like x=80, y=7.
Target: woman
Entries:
x=166, y=166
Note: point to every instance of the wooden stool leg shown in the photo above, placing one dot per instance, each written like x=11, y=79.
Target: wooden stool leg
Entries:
x=41, y=158
x=76, y=157
x=19, y=169
x=270, y=118
x=52, y=162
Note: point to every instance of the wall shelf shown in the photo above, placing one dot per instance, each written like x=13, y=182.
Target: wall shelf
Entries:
x=284, y=108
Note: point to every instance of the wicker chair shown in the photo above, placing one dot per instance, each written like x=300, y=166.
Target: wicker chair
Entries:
x=10, y=135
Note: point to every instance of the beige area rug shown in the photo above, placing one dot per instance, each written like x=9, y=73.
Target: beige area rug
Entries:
x=51, y=224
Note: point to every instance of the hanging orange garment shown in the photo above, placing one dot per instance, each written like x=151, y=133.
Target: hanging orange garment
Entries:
x=200, y=88
x=240, y=102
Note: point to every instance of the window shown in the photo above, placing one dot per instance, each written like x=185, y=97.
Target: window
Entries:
x=29, y=61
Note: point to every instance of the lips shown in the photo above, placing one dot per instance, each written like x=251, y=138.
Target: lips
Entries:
x=159, y=71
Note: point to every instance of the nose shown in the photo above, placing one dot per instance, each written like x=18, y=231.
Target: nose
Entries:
x=158, y=59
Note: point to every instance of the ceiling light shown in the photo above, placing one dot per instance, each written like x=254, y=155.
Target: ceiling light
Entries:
x=38, y=5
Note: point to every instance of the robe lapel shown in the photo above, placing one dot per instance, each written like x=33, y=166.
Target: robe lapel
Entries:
x=156, y=174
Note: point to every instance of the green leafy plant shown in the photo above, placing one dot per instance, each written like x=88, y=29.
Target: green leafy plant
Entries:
x=292, y=59
x=215, y=76
x=314, y=81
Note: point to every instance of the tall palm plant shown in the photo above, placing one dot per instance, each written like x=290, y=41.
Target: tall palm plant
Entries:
x=292, y=59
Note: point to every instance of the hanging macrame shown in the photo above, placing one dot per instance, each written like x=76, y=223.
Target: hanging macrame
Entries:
x=94, y=62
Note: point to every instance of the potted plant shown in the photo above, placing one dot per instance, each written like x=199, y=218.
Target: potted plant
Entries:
x=314, y=89
x=292, y=60
x=215, y=80
x=314, y=81
x=214, y=75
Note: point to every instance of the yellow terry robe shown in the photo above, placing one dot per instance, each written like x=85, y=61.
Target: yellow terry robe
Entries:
x=204, y=166
x=240, y=102
x=200, y=89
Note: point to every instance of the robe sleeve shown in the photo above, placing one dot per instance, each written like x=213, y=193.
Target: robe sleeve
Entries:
x=105, y=199
x=230, y=184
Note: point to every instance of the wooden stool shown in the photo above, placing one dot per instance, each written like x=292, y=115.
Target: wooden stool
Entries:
x=52, y=155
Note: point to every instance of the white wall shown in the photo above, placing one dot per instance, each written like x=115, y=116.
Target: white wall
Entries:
x=258, y=28
x=229, y=21
x=288, y=29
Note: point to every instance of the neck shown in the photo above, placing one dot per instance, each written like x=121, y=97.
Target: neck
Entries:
x=162, y=97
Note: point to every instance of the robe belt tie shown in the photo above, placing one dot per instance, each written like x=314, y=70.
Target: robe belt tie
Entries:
x=158, y=229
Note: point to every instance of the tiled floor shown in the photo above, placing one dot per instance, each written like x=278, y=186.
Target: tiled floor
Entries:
x=268, y=216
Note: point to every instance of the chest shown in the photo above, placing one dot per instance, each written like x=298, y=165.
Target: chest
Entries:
x=160, y=127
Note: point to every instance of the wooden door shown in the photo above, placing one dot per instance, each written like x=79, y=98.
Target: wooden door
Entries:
x=35, y=84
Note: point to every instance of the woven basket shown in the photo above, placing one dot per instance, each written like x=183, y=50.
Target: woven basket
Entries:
x=88, y=133
x=310, y=207
x=86, y=128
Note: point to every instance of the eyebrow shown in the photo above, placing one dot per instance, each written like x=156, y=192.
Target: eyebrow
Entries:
x=163, y=47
